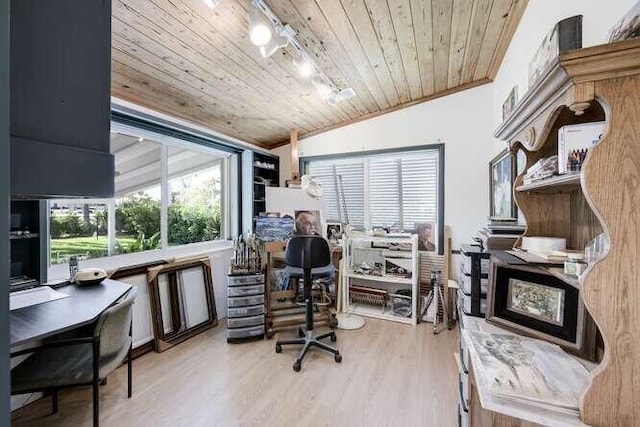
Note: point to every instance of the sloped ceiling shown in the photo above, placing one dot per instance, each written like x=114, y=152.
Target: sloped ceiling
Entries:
x=181, y=58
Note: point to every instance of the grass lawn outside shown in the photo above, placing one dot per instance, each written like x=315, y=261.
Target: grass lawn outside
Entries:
x=89, y=247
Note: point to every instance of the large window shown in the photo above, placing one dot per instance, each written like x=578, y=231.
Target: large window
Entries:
x=391, y=189
x=167, y=192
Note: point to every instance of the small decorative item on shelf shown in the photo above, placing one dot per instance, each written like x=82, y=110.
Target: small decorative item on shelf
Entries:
x=502, y=172
x=542, y=169
x=628, y=27
x=574, y=142
x=509, y=104
x=368, y=295
x=564, y=36
x=247, y=256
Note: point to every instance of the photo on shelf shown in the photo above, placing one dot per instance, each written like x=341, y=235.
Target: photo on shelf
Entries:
x=536, y=300
x=307, y=223
x=334, y=232
x=502, y=173
x=509, y=104
x=628, y=27
x=426, y=232
x=532, y=301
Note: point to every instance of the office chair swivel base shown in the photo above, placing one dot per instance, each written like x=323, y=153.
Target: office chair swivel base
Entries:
x=308, y=340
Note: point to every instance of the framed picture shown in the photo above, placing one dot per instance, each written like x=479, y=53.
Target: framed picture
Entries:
x=307, y=223
x=531, y=301
x=502, y=174
x=334, y=232
x=628, y=27
x=509, y=104
x=427, y=233
x=536, y=300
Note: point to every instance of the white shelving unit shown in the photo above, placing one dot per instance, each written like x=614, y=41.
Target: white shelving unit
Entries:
x=372, y=249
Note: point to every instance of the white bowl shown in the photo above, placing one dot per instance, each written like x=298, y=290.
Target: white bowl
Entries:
x=89, y=276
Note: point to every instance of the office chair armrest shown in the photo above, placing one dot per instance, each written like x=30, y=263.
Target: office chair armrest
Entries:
x=53, y=344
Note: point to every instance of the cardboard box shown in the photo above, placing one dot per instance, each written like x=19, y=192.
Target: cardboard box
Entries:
x=577, y=137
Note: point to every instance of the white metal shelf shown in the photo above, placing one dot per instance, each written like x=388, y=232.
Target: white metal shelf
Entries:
x=376, y=312
x=384, y=279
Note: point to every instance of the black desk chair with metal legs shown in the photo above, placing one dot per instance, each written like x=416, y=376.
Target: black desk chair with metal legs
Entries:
x=308, y=252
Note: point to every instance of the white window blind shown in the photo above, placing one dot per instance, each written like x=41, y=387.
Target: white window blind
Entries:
x=328, y=174
x=394, y=190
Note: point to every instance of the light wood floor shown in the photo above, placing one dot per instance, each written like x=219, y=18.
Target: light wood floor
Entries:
x=391, y=375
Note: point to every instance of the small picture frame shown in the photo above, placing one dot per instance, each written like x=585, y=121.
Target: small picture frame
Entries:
x=510, y=103
x=307, y=223
x=531, y=301
x=334, y=232
x=502, y=175
x=628, y=27
x=427, y=236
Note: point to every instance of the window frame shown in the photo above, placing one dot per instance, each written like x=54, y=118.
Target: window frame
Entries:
x=168, y=136
x=439, y=147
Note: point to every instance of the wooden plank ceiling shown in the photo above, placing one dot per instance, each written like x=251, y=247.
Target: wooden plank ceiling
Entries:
x=181, y=58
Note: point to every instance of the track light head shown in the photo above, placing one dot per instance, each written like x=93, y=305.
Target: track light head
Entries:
x=305, y=68
x=260, y=31
x=271, y=47
x=212, y=4
x=324, y=89
x=341, y=95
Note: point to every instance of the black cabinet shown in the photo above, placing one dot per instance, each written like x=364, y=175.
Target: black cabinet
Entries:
x=474, y=280
x=259, y=171
x=60, y=98
x=27, y=251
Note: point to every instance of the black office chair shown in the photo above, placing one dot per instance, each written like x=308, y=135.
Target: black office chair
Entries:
x=80, y=361
x=308, y=252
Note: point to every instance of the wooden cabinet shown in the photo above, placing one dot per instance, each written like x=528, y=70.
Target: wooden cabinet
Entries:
x=587, y=85
x=381, y=277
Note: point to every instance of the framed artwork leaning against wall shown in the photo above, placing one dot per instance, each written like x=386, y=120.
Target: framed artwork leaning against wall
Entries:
x=502, y=174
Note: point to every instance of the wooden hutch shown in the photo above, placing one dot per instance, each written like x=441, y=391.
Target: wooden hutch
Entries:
x=592, y=84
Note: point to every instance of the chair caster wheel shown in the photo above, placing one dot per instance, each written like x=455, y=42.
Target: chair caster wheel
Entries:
x=300, y=333
x=334, y=338
x=297, y=366
x=278, y=348
x=337, y=357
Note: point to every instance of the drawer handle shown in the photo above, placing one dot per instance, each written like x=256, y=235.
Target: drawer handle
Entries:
x=464, y=368
x=461, y=397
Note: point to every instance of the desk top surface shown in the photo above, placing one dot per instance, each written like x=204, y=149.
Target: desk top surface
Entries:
x=83, y=307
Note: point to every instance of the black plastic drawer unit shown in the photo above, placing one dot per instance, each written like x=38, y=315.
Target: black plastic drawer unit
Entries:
x=245, y=305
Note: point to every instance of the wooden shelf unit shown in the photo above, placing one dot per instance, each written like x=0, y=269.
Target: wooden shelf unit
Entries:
x=586, y=85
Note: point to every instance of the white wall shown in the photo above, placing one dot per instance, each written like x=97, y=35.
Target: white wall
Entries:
x=539, y=18
x=465, y=121
x=461, y=121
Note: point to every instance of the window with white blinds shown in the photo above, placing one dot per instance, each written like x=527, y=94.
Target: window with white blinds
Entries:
x=396, y=190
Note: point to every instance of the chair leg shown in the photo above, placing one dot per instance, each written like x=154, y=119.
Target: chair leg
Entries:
x=96, y=383
x=54, y=402
x=129, y=372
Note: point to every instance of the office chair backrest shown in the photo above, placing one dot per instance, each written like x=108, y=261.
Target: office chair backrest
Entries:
x=114, y=324
x=307, y=252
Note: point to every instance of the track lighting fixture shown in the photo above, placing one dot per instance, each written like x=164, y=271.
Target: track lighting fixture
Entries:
x=260, y=31
x=275, y=44
x=212, y=4
x=263, y=24
x=305, y=68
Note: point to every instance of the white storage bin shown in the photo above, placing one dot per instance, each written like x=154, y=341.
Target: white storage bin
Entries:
x=251, y=331
x=463, y=417
x=242, y=322
x=244, y=301
x=465, y=265
x=466, y=303
x=465, y=285
x=484, y=265
x=239, y=291
x=245, y=280
x=245, y=311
